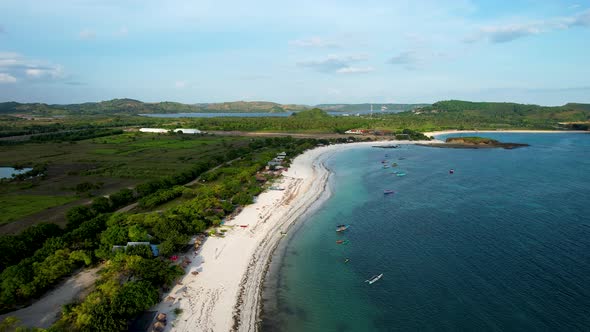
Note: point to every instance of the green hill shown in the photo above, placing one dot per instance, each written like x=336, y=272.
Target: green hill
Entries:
x=507, y=112
x=131, y=106
x=314, y=113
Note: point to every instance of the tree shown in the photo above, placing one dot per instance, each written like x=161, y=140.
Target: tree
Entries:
x=121, y=198
x=101, y=204
x=77, y=215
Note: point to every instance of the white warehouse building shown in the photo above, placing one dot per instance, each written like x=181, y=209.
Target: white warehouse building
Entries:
x=153, y=130
x=188, y=131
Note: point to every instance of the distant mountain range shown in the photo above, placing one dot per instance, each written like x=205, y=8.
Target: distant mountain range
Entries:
x=568, y=112
x=132, y=106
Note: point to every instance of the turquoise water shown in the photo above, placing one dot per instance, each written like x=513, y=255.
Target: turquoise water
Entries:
x=502, y=244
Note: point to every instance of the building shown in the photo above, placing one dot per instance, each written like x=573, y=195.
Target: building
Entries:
x=188, y=131
x=153, y=247
x=355, y=132
x=153, y=130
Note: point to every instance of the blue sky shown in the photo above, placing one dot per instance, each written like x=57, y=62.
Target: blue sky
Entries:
x=305, y=52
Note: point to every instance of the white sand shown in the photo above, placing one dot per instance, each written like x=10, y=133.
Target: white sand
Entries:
x=225, y=295
x=444, y=132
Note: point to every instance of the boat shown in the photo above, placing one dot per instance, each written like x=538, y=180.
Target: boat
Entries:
x=451, y=171
x=384, y=161
x=388, y=192
x=342, y=228
x=385, y=166
x=341, y=242
x=374, y=278
x=394, y=164
x=401, y=174
x=346, y=260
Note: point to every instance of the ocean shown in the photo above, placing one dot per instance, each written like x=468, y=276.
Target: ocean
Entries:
x=503, y=244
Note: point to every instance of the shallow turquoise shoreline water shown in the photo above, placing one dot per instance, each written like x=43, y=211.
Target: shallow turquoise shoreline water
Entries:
x=502, y=244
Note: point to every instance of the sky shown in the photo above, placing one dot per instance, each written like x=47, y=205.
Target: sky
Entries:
x=302, y=52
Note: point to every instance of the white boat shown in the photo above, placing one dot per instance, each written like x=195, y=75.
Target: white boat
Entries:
x=374, y=278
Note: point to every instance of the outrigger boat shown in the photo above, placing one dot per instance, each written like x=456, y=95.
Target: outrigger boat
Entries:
x=388, y=192
x=374, y=278
x=342, y=228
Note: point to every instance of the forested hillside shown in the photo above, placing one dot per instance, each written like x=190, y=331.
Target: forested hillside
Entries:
x=131, y=106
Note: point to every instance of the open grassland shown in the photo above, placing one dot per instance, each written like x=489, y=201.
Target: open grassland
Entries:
x=13, y=207
x=78, y=171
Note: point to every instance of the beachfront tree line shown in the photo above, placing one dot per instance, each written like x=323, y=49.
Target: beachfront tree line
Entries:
x=131, y=281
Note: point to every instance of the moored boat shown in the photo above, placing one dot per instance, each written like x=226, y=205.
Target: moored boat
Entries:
x=374, y=278
x=388, y=192
x=342, y=228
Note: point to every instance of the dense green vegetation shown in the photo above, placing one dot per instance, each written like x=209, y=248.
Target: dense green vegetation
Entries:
x=132, y=278
x=456, y=114
x=75, y=135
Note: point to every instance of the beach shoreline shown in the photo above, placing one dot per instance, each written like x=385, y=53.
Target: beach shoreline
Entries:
x=222, y=287
x=516, y=131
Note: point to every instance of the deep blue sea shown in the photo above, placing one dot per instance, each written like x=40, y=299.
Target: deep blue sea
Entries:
x=503, y=244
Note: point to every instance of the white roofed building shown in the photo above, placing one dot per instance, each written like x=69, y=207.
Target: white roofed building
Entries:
x=153, y=130
x=187, y=131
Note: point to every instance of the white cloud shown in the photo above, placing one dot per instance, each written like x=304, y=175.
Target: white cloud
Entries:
x=509, y=32
x=180, y=84
x=20, y=67
x=7, y=78
x=355, y=70
x=87, y=34
x=2, y=29
x=53, y=72
x=334, y=63
x=313, y=42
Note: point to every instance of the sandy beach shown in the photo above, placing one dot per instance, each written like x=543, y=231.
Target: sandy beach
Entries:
x=225, y=295
x=444, y=132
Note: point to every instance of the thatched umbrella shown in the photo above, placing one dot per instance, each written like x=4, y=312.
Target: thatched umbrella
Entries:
x=161, y=317
x=159, y=327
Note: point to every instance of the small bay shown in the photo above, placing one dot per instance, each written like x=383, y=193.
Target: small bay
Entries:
x=501, y=244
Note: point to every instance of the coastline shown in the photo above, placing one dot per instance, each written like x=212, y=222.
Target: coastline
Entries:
x=226, y=293
x=444, y=132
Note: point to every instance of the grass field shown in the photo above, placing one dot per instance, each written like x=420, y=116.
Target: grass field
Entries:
x=14, y=207
x=114, y=162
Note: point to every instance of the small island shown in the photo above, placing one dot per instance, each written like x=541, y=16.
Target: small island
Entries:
x=474, y=142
